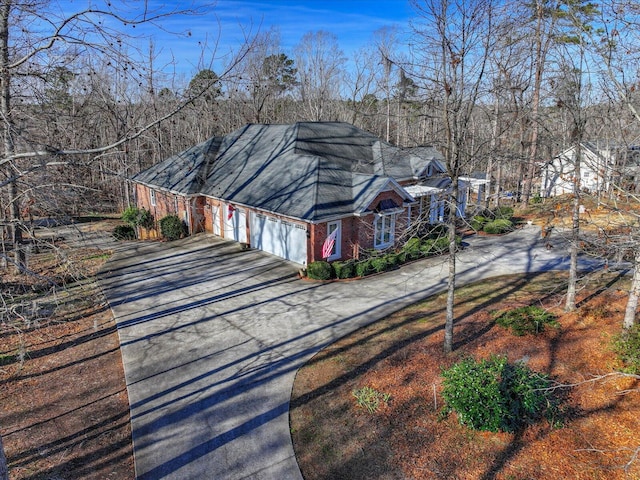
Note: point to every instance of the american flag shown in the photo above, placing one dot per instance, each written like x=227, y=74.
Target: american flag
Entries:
x=327, y=246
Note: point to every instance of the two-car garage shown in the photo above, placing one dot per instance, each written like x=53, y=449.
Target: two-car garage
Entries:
x=279, y=237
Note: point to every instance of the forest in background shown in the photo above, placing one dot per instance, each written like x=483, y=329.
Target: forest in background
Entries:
x=84, y=109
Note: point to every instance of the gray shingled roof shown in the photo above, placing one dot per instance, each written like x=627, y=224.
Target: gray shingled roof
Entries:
x=183, y=173
x=309, y=170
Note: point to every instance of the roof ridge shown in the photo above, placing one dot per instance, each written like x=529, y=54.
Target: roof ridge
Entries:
x=316, y=185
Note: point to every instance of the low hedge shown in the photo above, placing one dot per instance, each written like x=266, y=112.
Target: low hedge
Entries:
x=498, y=226
x=478, y=222
x=319, y=270
x=364, y=267
x=343, y=269
x=378, y=262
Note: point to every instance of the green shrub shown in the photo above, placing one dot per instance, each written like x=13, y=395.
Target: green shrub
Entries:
x=412, y=249
x=364, y=267
x=124, y=232
x=435, y=246
x=172, y=228
x=526, y=320
x=379, y=264
x=503, y=212
x=627, y=347
x=137, y=217
x=498, y=226
x=393, y=259
x=441, y=244
x=426, y=247
x=343, y=269
x=319, y=270
x=440, y=230
x=478, y=222
x=495, y=395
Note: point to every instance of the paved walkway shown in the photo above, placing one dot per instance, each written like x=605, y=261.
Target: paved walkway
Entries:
x=212, y=337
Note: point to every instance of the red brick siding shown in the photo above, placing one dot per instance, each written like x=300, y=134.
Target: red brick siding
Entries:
x=168, y=204
x=357, y=232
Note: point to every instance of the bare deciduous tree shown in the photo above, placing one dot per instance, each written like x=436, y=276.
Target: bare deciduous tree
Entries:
x=455, y=38
x=320, y=65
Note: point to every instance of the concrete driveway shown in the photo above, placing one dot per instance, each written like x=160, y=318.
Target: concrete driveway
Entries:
x=212, y=337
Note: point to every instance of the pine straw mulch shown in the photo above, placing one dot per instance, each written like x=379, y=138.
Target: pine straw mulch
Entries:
x=65, y=410
x=402, y=356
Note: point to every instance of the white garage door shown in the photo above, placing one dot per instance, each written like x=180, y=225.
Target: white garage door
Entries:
x=235, y=224
x=279, y=237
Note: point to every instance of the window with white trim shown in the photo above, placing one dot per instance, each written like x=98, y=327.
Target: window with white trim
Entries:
x=384, y=226
x=152, y=197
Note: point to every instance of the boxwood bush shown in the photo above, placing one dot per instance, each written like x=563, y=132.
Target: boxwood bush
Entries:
x=364, y=267
x=377, y=261
x=498, y=226
x=393, y=259
x=172, y=228
x=477, y=222
x=412, y=249
x=124, y=232
x=495, y=395
x=137, y=217
x=343, y=269
x=379, y=264
x=319, y=270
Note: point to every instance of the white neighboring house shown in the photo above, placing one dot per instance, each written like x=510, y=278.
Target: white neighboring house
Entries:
x=596, y=169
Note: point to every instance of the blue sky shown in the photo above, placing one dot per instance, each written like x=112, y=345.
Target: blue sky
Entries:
x=223, y=24
x=351, y=21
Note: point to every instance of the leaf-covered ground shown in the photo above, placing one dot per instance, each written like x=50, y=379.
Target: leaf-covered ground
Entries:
x=402, y=356
x=64, y=408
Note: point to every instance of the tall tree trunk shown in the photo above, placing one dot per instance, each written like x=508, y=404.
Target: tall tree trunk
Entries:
x=451, y=281
x=570, y=304
x=8, y=146
x=634, y=293
x=541, y=46
x=494, y=142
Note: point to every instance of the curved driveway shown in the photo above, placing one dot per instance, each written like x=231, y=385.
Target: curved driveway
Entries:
x=212, y=337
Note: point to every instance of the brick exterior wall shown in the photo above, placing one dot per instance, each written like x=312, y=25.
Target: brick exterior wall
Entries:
x=356, y=232
x=189, y=210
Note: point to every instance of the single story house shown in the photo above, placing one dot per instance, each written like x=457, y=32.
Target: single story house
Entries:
x=597, y=164
x=285, y=188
